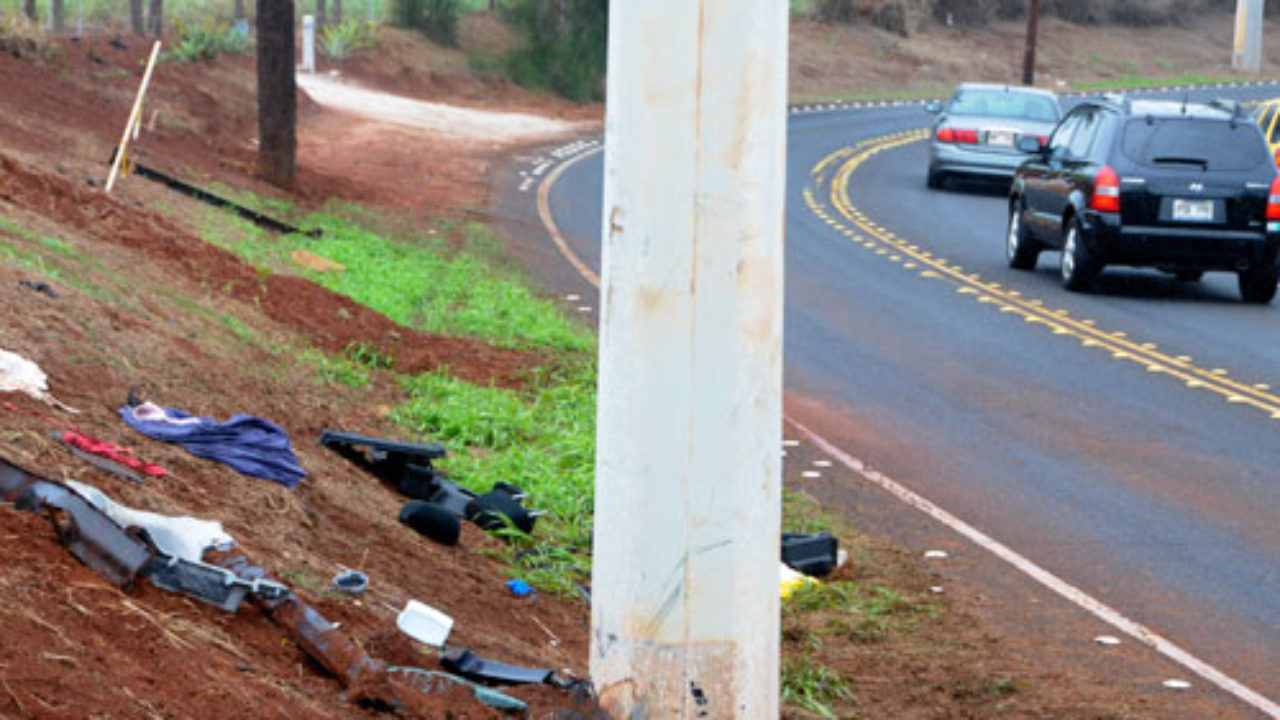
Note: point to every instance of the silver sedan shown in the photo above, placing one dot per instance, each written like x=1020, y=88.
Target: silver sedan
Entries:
x=978, y=129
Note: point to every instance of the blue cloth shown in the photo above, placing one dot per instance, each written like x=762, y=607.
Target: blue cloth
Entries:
x=247, y=444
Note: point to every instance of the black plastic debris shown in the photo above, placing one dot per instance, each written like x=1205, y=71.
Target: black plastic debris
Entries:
x=812, y=555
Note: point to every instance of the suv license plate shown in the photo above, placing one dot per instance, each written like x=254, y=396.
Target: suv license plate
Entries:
x=1000, y=138
x=1193, y=210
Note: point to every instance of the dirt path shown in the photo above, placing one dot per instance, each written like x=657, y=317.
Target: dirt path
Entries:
x=437, y=118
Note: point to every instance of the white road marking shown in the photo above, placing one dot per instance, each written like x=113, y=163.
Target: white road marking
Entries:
x=1078, y=597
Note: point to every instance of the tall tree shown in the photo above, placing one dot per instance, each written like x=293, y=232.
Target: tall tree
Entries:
x=56, y=15
x=337, y=12
x=29, y=9
x=135, y=16
x=239, y=11
x=155, y=18
x=320, y=16
x=277, y=94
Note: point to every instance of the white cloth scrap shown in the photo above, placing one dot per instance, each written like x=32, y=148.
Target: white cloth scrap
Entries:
x=18, y=374
x=184, y=537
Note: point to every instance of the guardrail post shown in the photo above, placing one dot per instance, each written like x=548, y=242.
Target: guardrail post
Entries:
x=687, y=506
x=1247, y=52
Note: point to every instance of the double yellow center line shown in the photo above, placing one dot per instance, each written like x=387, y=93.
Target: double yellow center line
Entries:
x=842, y=216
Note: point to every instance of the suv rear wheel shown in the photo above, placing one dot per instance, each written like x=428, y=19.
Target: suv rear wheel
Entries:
x=1258, y=285
x=1079, y=267
x=1020, y=249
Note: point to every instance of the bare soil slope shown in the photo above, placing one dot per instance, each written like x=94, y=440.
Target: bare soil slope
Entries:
x=143, y=302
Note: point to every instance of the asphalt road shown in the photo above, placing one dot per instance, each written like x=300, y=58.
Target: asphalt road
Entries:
x=1127, y=441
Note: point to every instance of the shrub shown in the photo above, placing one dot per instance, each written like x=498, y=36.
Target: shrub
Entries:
x=437, y=19
x=565, y=46
x=840, y=11
x=351, y=36
x=206, y=40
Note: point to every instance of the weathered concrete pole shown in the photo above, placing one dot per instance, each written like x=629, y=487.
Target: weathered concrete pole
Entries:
x=1247, y=52
x=688, y=500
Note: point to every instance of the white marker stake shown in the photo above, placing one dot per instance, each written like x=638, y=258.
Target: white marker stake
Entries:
x=308, y=44
x=134, y=118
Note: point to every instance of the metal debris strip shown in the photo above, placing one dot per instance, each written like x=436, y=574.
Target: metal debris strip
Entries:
x=263, y=221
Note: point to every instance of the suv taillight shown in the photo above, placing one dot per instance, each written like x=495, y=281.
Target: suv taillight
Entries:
x=1273, y=200
x=1106, y=191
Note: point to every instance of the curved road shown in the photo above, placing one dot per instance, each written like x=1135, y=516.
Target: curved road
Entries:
x=1126, y=441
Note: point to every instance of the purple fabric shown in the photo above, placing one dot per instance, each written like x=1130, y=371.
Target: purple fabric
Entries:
x=248, y=444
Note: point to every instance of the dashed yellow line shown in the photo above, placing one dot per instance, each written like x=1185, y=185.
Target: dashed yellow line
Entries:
x=852, y=223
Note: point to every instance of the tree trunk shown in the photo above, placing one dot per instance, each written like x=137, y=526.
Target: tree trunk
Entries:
x=337, y=12
x=277, y=94
x=135, y=16
x=320, y=17
x=155, y=18
x=239, y=10
x=56, y=16
x=29, y=9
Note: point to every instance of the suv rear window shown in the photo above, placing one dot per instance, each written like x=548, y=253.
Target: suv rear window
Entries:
x=1207, y=144
x=1004, y=103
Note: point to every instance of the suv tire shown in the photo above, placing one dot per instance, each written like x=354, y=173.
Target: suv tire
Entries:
x=1020, y=249
x=1258, y=285
x=1079, y=267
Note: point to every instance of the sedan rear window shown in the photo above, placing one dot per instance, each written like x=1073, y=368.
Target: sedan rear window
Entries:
x=1208, y=145
x=1004, y=103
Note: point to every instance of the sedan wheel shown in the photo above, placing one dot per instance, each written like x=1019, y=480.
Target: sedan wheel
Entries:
x=1020, y=250
x=1078, y=266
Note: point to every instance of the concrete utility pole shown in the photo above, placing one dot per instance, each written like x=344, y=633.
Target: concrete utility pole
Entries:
x=1029, y=57
x=1247, y=53
x=688, y=493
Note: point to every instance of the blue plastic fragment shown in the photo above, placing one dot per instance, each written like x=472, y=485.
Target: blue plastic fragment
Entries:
x=519, y=588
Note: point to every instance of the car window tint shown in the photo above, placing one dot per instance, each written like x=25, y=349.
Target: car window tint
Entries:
x=1064, y=133
x=1081, y=140
x=1005, y=104
x=1212, y=145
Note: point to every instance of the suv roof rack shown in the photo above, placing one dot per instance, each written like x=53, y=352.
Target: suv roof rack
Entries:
x=1236, y=109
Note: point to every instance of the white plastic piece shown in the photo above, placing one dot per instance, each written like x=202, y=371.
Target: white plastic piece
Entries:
x=936, y=554
x=1107, y=640
x=811, y=474
x=184, y=537
x=936, y=589
x=822, y=463
x=1177, y=684
x=424, y=623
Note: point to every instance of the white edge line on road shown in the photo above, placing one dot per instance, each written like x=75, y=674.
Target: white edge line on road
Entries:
x=1112, y=617
x=1078, y=597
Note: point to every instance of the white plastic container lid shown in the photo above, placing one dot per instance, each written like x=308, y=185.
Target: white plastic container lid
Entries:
x=424, y=623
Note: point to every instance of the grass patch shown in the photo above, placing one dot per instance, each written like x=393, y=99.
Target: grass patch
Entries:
x=813, y=687
x=423, y=282
x=541, y=439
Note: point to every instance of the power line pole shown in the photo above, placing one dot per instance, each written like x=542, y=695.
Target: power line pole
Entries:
x=688, y=493
x=1246, y=54
x=1029, y=57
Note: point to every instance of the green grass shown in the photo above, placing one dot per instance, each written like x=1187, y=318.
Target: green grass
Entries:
x=813, y=687
x=541, y=439
x=423, y=283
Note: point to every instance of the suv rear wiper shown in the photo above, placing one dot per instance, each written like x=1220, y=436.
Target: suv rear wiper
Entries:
x=1175, y=160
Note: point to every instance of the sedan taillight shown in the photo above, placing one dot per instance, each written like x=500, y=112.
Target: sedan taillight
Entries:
x=1106, y=191
x=955, y=135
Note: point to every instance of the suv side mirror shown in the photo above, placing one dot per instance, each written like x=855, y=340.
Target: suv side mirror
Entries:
x=1030, y=145
x=933, y=108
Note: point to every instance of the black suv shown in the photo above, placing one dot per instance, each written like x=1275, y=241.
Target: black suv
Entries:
x=1182, y=187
